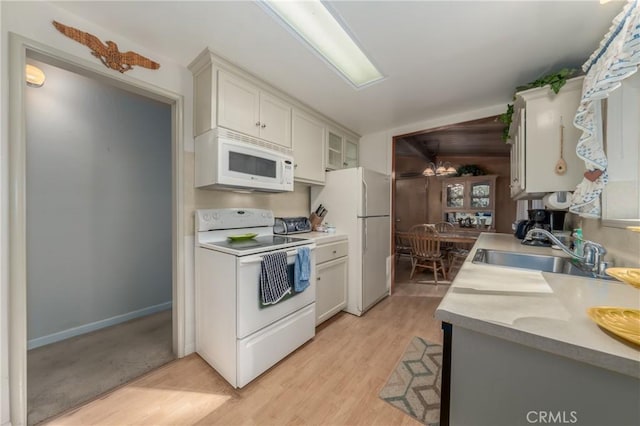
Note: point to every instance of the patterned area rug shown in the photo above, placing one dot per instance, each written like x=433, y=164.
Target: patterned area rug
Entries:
x=414, y=385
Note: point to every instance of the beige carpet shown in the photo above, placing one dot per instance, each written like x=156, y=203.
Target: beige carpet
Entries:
x=65, y=374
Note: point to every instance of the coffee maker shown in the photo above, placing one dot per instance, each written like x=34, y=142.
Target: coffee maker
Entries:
x=549, y=220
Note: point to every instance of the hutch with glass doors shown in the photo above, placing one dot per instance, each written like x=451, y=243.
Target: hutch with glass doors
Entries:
x=470, y=201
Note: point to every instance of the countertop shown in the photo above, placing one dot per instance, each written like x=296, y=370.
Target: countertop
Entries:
x=545, y=311
x=322, y=237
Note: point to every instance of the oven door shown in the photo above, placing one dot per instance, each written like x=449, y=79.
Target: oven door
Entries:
x=251, y=314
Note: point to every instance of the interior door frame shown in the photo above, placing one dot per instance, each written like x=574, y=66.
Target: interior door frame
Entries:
x=19, y=48
x=393, y=214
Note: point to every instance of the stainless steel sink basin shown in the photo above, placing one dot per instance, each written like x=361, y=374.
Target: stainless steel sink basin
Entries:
x=536, y=262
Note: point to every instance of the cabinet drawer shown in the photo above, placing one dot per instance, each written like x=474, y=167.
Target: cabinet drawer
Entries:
x=327, y=252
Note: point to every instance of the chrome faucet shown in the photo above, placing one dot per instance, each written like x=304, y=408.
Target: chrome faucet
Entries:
x=593, y=252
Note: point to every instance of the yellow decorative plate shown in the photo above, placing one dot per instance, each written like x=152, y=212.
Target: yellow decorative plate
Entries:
x=630, y=276
x=623, y=322
x=241, y=237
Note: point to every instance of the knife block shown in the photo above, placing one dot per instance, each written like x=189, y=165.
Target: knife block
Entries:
x=316, y=221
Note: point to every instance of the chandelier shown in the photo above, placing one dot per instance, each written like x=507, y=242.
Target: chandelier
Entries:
x=442, y=169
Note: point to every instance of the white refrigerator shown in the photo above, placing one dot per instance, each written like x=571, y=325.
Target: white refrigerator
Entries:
x=358, y=204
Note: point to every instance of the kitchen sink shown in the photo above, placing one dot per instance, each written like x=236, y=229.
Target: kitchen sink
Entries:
x=560, y=265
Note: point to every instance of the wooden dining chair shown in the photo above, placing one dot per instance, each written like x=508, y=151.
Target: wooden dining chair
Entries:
x=421, y=227
x=444, y=227
x=403, y=245
x=456, y=259
x=426, y=253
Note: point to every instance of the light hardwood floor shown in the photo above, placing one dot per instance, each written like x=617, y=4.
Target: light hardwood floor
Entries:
x=332, y=380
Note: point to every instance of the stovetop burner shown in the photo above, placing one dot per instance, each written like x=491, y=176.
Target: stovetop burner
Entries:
x=214, y=226
x=265, y=241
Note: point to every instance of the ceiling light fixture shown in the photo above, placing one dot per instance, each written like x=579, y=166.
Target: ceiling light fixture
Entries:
x=442, y=169
x=311, y=21
x=35, y=76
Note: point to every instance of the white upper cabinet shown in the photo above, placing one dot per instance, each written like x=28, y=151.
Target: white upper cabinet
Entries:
x=275, y=119
x=238, y=104
x=308, y=147
x=350, y=153
x=342, y=150
x=231, y=98
x=245, y=108
x=334, y=150
x=541, y=120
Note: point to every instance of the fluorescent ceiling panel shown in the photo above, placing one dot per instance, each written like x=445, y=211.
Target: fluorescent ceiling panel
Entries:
x=311, y=20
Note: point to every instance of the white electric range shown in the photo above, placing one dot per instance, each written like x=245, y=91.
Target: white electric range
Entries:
x=235, y=333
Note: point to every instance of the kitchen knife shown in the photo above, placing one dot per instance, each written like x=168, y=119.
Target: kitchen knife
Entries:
x=318, y=210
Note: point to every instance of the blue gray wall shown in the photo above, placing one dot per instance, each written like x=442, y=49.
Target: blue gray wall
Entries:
x=98, y=203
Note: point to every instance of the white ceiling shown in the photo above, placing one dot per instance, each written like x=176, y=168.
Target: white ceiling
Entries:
x=440, y=57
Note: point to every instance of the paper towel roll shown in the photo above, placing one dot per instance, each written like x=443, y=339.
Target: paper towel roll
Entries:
x=552, y=201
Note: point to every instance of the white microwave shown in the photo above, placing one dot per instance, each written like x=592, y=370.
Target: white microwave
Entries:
x=228, y=160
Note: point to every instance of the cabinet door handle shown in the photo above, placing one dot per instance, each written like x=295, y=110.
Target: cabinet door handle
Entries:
x=345, y=164
x=335, y=251
x=295, y=166
x=263, y=125
x=257, y=124
x=318, y=279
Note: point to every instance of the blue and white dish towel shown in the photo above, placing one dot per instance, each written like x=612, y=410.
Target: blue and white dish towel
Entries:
x=302, y=270
x=274, y=282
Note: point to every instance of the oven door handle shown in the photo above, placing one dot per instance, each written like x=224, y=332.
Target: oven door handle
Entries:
x=258, y=259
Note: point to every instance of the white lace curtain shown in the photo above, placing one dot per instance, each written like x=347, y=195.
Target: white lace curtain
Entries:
x=616, y=58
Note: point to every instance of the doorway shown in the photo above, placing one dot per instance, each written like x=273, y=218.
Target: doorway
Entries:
x=21, y=49
x=98, y=163
x=419, y=162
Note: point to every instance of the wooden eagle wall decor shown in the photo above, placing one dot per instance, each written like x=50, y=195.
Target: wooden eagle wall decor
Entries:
x=108, y=53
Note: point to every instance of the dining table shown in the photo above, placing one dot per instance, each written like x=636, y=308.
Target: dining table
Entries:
x=447, y=237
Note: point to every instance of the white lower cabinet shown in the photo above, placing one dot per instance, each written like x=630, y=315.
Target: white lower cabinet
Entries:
x=331, y=280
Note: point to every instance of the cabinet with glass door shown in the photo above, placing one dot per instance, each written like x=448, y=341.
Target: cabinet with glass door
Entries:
x=469, y=201
x=342, y=151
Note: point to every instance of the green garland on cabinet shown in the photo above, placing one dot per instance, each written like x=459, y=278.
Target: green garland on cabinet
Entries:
x=555, y=80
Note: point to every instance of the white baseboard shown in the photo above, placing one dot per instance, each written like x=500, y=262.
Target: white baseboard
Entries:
x=97, y=325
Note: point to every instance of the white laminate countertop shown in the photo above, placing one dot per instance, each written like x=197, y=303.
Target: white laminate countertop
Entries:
x=322, y=237
x=545, y=311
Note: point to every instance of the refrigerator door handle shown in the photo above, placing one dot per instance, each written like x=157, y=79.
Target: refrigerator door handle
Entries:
x=364, y=235
x=365, y=189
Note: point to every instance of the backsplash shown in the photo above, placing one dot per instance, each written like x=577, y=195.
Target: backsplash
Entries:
x=623, y=246
x=295, y=203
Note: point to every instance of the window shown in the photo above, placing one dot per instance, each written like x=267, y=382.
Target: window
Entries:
x=621, y=196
